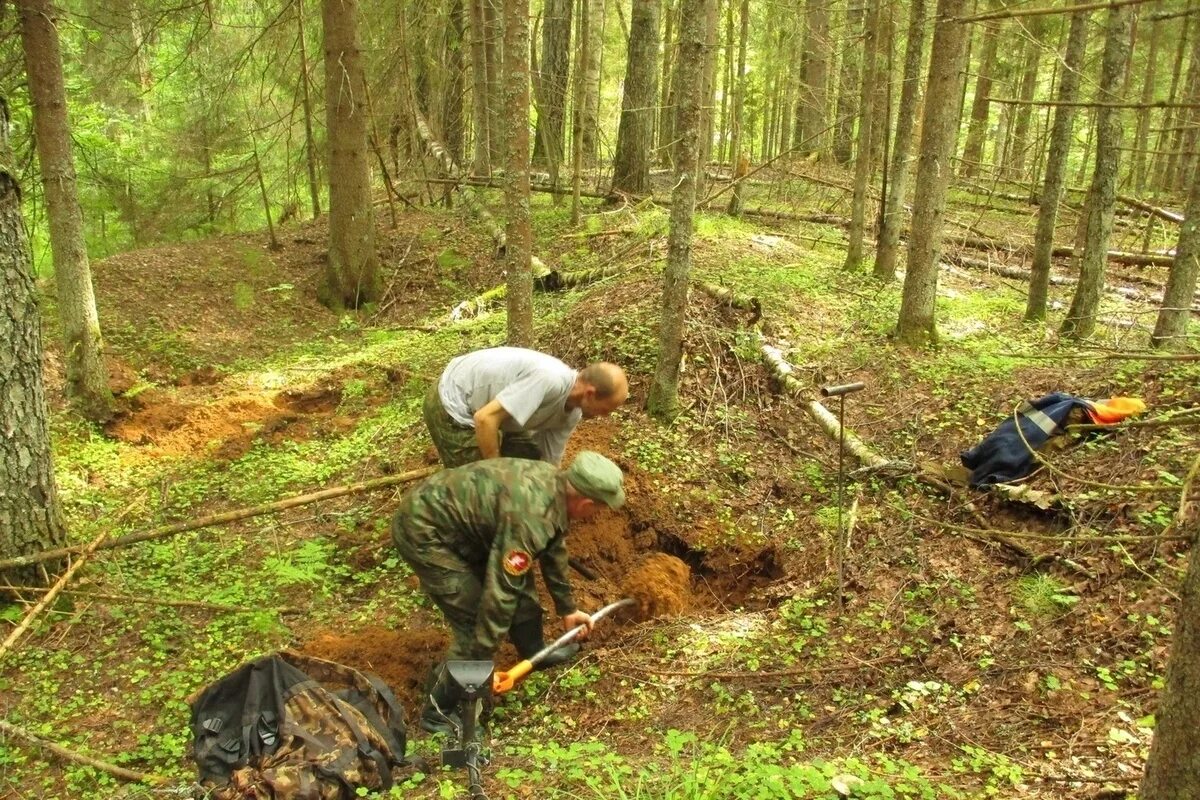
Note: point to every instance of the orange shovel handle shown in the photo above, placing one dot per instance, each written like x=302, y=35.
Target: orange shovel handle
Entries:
x=504, y=681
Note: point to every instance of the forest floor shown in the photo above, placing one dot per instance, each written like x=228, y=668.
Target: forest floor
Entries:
x=953, y=667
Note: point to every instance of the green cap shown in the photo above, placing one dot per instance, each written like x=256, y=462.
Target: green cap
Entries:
x=597, y=477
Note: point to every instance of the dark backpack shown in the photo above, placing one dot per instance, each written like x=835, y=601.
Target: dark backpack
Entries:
x=292, y=727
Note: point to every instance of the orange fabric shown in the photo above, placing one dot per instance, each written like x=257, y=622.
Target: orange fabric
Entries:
x=1115, y=409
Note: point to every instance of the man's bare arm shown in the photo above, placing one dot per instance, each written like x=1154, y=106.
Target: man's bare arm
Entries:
x=487, y=428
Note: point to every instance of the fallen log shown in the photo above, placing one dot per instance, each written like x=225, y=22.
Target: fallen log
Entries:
x=224, y=517
x=80, y=758
x=544, y=280
x=1142, y=205
x=727, y=297
x=447, y=161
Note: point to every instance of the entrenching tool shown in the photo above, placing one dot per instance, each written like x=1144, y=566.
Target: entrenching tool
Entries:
x=504, y=681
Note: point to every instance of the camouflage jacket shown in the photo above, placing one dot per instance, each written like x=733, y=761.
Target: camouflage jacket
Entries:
x=499, y=514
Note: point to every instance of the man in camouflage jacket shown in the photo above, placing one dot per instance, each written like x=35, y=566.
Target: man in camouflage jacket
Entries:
x=471, y=535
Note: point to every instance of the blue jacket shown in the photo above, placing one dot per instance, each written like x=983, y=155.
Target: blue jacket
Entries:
x=1003, y=456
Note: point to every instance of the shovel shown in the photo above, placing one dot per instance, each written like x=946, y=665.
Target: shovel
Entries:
x=505, y=681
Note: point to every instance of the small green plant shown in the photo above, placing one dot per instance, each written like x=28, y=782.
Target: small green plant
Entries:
x=1041, y=596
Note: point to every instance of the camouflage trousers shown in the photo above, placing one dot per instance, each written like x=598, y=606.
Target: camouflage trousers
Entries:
x=456, y=444
x=456, y=587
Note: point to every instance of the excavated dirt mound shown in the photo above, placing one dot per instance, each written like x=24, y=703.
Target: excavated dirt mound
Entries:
x=660, y=586
x=402, y=658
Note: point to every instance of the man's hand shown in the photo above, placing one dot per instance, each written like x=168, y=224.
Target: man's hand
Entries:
x=578, y=618
x=487, y=428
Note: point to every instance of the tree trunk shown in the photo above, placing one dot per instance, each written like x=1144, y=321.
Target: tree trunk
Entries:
x=452, y=100
x=812, y=137
x=552, y=78
x=726, y=86
x=83, y=346
x=493, y=54
x=848, y=86
x=590, y=123
x=663, y=400
x=910, y=100
x=1056, y=165
x=519, y=249
x=709, y=89
x=741, y=162
x=1019, y=143
x=310, y=144
x=352, y=271
x=635, y=133
x=583, y=52
x=1171, y=120
x=1173, y=769
x=972, y=157
x=939, y=126
x=479, y=90
x=1142, y=137
x=1098, y=208
x=1189, y=121
x=1171, y=328
x=866, y=121
x=30, y=517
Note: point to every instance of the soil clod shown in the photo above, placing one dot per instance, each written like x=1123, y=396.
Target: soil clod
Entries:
x=660, y=586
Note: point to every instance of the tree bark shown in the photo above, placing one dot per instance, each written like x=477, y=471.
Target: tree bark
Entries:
x=581, y=29
x=862, y=148
x=939, y=126
x=519, y=250
x=1173, y=769
x=479, y=90
x=1018, y=146
x=910, y=99
x=591, y=79
x=741, y=162
x=666, y=112
x=30, y=517
x=1190, y=117
x=554, y=69
x=812, y=137
x=310, y=143
x=452, y=98
x=1171, y=121
x=352, y=271
x=1171, y=328
x=848, y=85
x=83, y=346
x=635, y=132
x=1056, y=166
x=1142, y=136
x=709, y=89
x=977, y=132
x=1098, y=208
x=493, y=53
x=663, y=400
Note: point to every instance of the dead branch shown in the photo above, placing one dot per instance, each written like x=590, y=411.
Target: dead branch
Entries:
x=225, y=517
x=154, y=601
x=1008, y=101
x=1035, y=12
x=1142, y=205
x=53, y=592
x=80, y=758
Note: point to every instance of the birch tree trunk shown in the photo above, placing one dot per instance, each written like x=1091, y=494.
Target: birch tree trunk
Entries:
x=83, y=346
x=910, y=100
x=1056, y=165
x=939, y=127
x=519, y=234
x=1098, y=208
x=635, y=133
x=30, y=517
x=663, y=400
x=352, y=271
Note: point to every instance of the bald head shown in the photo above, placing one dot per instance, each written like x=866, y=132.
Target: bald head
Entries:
x=599, y=389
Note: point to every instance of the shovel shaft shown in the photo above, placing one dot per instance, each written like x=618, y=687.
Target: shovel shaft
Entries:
x=505, y=681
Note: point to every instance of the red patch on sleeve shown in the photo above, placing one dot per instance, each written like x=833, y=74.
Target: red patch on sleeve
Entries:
x=517, y=562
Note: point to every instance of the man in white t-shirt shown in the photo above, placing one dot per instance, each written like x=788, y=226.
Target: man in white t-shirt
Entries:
x=509, y=401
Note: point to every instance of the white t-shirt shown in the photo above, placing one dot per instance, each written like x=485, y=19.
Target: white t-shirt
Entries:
x=531, y=386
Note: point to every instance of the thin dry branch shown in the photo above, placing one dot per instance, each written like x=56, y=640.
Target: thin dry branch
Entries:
x=80, y=758
x=225, y=517
x=1037, y=12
